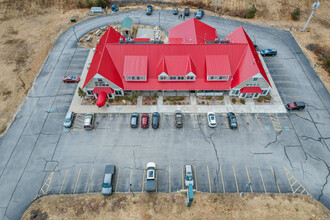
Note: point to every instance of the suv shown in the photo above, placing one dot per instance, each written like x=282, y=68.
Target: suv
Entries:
x=199, y=14
x=149, y=10
x=178, y=119
x=175, y=11
x=155, y=120
x=134, y=120
x=188, y=175
x=295, y=106
x=211, y=120
x=186, y=12
x=268, y=52
x=108, y=179
x=232, y=120
x=68, y=119
x=89, y=121
x=145, y=120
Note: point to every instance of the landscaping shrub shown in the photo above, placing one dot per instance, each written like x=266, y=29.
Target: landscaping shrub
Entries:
x=269, y=97
x=80, y=4
x=154, y=103
x=81, y=92
x=110, y=100
x=133, y=96
x=295, y=14
x=220, y=98
x=327, y=63
x=242, y=101
x=174, y=103
x=261, y=98
x=155, y=96
x=251, y=12
x=171, y=99
x=203, y=102
x=101, y=3
x=118, y=98
x=209, y=97
x=233, y=100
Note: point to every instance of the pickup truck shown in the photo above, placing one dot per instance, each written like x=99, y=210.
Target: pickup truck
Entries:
x=151, y=177
x=108, y=179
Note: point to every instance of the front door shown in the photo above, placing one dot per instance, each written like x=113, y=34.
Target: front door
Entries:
x=249, y=95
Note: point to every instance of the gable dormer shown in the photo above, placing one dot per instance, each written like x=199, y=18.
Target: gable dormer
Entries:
x=176, y=68
x=218, y=68
x=135, y=68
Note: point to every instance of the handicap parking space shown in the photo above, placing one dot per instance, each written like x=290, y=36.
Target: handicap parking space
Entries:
x=78, y=122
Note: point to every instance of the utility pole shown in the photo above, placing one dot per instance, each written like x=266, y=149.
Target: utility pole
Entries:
x=315, y=6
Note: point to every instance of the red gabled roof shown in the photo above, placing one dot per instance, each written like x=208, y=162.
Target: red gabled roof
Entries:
x=252, y=89
x=218, y=65
x=178, y=65
x=101, y=54
x=250, y=64
x=142, y=39
x=193, y=31
x=135, y=66
x=102, y=89
x=175, y=41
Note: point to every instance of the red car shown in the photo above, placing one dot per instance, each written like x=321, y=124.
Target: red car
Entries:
x=71, y=79
x=145, y=120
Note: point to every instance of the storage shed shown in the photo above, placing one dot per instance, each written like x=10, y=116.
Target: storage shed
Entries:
x=127, y=26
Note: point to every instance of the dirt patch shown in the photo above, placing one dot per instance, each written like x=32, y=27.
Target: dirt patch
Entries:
x=149, y=100
x=172, y=206
x=176, y=100
x=210, y=100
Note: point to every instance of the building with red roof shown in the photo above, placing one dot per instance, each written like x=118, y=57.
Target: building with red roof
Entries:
x=202, y=64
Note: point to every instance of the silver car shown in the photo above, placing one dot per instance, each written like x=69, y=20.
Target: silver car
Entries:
x=211, y=120
x=68, y=119
x=188, y=175
x=108, y=179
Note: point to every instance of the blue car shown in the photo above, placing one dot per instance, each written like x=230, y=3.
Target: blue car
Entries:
x=268, y=52
x=199, y=14
x=232, y=120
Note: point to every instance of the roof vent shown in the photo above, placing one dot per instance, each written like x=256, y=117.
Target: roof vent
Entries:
x=94, y=50
x=98, y=41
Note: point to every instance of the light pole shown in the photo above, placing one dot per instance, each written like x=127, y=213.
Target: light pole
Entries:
x=315, y=6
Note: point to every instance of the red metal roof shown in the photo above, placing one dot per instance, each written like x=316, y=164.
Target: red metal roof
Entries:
x=101, y=98
x=193, y=31
x=102, y=89
x=142, y=39
x=250, y=64
x=218, y=65
x=175, y=41
x=244, y=63
x=135, y=66
x=252, y=89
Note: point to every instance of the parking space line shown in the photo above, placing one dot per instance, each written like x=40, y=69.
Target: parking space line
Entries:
x=262, y=179
x=90, y=180
x=46, y=183
x=237, y=123
x=182, y=179
x=226, y=120
x=204, y=119
x=248, y=122
x=130, y=180
x=74, y=191
x=66, y=172
x=247, y=172
x=144, y=172
x=117, y=179
x=169, y=179
x=194, y=122
x=223, y=184
x=287, y=172
x=172, y=116
x=196, y=178
x=275, y=121
x=208, y=173
x=235, y=179
x=258, y=119
x=156, y=177
x=297, y=189
x=275, y=179
x=294, y=182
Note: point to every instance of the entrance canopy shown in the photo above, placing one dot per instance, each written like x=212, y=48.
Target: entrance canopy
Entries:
x=101, y=98
x=251, y=89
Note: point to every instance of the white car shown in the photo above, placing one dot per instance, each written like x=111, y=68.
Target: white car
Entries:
x=211, y=120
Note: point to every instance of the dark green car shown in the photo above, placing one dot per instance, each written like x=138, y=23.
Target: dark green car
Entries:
x=155, y=120
x=232, y=120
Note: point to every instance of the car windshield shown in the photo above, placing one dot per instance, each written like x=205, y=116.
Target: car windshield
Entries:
x=150, y=173
x=233, y=120
x=212, y=118
x=133, y=120
x=73, y=77
x=67, y=120
x=106, y=185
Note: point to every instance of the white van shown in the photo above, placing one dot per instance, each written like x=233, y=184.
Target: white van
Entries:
x=68, y=119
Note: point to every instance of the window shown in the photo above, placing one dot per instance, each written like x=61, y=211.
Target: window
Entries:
x=163, y=78
x=190, y=77
x=173, y=78
x=264, y=92
x=133, y=77
x=100, y=80
x=211, y=77
x=118, y=92
x=223, y=77
x=90, y=92
x=256, y=95
x=181, y=77
x=255, y=79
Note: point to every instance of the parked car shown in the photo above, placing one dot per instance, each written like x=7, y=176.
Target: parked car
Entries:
x=149, y=10
x=175, y=11
x=155, y=120
x=232, y=120
x=68, y=119
x=145, y=120
x=178, y=119
x=134, y=120
x=89, y=121
x=71, y=79
x=109, y=172
x=186, y=12
x=151, y=177
x=199, y=14
x=211, y=120
x=268, y=52
x=295, y=106
x=188, y=175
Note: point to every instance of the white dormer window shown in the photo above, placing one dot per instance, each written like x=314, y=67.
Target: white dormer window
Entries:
x=255, y=79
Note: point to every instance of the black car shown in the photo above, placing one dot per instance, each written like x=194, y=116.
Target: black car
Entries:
x=232, y=120
x=155, y=120
x=134, y=120
x=186, y=12
x=199, y=14
x=295, y=106
x=178, y=119
x=175, y=11
x=149, y=10
x=268, y=52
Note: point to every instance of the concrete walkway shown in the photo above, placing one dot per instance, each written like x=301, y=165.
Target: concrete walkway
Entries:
x=250, y=107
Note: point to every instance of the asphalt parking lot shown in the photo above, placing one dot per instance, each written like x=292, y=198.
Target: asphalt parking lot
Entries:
x=287, y=153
